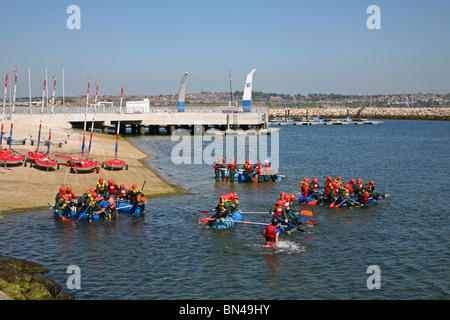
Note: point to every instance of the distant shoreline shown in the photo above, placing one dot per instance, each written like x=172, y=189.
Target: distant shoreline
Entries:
x=442, y=114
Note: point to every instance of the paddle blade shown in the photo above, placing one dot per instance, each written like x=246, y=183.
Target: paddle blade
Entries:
x=226, y=179
x=255, y=179
x=206, y=220
x=204, y=211
x=306, y=213
x=313, y=203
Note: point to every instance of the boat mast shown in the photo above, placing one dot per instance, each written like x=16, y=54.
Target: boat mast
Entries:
x=93, y=118
x=4, y=106
x=118, y=124
x=29, y=88
x=85, y=118
x=42, y=111
x=231, y=90
x=51, y=115
x=13, y=107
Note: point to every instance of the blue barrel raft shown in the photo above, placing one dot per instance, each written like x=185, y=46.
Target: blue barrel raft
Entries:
x=227, y=222
x=126, y=207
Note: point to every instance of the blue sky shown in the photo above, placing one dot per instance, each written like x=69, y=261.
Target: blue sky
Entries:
x=296, y=46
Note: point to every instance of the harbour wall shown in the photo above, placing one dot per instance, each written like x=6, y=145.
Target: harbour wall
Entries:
x=373, y=113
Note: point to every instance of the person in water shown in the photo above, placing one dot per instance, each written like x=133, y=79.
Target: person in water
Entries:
x=272, y=234
x=134, y=196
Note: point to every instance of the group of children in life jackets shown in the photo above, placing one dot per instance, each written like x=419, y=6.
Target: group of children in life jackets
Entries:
x=228, y=205
x=352, y=193
x=88, y=202
x=262, y=173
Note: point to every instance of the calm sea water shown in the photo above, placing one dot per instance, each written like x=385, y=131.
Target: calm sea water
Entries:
x=170, y=255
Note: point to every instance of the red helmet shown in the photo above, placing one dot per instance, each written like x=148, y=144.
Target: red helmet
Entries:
x=338, y=178
x=329, y=178
x=69, y=189
x=62, y=189
x=235, y=195
x=279, y=202
x=94, y=194
x=283, y=194
x=101, y=179
x=347, y=186
x=352, y=180
x=292, y=196
x=359, y=180
x=91, y=190
x=110, y=181
x=335, y=184
x=122, y=186
x=134, y=186
x=315, y=180
x=306, y=180
x=372, y=182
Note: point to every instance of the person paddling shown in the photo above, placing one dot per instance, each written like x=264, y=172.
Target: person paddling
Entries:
x=305, y=189
x=94, y=207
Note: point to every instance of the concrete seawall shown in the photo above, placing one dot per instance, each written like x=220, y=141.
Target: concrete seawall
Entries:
x=373, y=113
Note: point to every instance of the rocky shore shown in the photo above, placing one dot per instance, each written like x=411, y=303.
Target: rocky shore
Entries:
x=372, y=113
x=24, y=280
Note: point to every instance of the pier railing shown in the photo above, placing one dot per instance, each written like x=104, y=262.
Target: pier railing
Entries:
x=102, y=109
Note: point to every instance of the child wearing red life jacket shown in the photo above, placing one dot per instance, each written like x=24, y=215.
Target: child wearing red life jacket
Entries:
x=272, y=233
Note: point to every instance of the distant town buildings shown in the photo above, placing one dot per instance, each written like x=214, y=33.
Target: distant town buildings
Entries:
x=273, y=100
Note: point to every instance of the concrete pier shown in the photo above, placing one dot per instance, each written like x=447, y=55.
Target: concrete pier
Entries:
x=162, y=120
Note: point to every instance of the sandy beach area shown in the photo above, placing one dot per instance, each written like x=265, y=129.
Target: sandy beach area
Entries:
x=25, y=187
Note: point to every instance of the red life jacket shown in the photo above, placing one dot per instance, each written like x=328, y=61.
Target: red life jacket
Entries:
x=328, y=187
x=69, y=196
x=249, y=167
x=232, y=166
x=259, y=169
x=365, y=197
x=271, y=231
x=315, y=186
x=279, y=210
x=112, y=188
x=122, y=193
